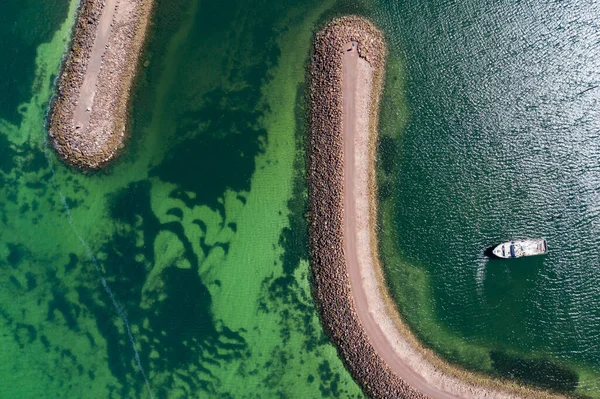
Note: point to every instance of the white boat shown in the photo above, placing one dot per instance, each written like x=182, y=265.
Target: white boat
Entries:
x=520, y=248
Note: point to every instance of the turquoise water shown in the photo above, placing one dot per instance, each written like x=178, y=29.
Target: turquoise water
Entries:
x=23, y=27
x=182, y=270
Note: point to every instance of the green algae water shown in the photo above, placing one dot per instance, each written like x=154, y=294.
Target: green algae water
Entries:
x=490, y=133
x=182, y=270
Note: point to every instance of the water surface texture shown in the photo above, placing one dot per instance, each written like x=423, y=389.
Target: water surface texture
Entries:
x=500, y=141
x=182, y=270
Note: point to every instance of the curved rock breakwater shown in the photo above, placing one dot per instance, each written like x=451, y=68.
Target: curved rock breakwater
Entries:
x=346, y=78
x=331, y=284
x=88, y=115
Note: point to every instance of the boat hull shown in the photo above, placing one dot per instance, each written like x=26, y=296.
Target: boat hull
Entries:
x=521, y=248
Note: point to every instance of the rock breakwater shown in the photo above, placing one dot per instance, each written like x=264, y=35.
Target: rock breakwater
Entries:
x=332, y=287
x=88, y=115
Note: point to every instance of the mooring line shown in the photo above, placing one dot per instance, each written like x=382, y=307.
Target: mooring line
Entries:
x=120, y=310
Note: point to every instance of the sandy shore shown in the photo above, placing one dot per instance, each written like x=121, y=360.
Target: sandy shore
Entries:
x=88, y=116
x=346, y=77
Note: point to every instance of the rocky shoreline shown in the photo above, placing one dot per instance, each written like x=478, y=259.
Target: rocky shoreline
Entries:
x=326, y=176
x=96, y=141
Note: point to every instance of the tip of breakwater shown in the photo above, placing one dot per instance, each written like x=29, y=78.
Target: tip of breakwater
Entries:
x=332, y=287
x=331, y=284
x=95, y=143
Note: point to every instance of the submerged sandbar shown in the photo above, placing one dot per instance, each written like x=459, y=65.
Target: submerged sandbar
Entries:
x=346, y=79
x=88, y=115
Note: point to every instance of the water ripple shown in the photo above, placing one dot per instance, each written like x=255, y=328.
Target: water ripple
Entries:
x=503, y=143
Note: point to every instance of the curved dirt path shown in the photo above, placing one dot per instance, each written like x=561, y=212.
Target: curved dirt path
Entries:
x=404, y=360
x=348, y=286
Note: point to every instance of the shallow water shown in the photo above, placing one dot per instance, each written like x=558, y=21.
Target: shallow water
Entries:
x=181, y=270
x=184, y=267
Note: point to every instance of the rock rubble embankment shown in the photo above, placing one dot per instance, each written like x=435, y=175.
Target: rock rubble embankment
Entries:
x=326, y=185
x=97, y=140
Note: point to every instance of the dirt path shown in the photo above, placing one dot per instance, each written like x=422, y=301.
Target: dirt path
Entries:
x=405, y=361
x=384, y=357
x=88, y=116
x=81, y=118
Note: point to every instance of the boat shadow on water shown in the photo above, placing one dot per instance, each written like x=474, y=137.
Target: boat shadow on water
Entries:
x=489, y=253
